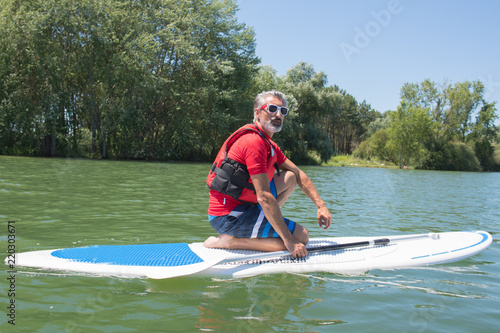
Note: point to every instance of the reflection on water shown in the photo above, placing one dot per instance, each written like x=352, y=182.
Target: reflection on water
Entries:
x=59, y=203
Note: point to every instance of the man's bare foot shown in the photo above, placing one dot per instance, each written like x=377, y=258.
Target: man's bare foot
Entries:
x=211, y=242
x=221, y=242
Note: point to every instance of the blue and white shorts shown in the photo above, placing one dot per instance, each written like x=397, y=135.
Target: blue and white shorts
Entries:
x=248, y=221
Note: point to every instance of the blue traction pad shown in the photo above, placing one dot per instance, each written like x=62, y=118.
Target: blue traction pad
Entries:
x=176, y=254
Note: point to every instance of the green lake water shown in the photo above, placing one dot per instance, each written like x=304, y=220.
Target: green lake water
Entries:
x=60, y=203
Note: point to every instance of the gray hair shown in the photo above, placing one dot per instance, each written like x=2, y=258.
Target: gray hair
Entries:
x=261, y=99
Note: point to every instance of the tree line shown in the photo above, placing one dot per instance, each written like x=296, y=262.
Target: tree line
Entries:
x=171, y=79
x=154, y=79
x=438, y=126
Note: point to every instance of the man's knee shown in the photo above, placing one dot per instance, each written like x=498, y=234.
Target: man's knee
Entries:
x=290, y=180
x=285, y=185
x=285, y=180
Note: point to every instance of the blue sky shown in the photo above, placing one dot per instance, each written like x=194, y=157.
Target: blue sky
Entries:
x=371, y=48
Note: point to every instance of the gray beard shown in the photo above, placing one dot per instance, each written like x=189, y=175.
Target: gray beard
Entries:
x=273, y=128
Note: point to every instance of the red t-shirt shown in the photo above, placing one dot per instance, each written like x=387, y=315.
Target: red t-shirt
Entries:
x=253, y=151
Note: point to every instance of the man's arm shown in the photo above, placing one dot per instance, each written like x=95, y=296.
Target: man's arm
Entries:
x=306, y=185
x=273, y=214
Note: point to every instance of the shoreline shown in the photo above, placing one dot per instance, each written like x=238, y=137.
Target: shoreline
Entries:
x=342, y=161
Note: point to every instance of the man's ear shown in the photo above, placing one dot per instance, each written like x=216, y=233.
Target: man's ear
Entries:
x=256, y=114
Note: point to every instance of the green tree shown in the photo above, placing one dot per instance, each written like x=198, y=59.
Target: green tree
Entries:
x=465, y=98
x=484, y=134
x=376, y=147
x=152, y=79
x=304, y=133
x=430, y=96
x=451, y=108
x=409, y=129
x=325, y=120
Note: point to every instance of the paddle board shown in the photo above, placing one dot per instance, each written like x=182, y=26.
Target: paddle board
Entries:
x=178, y=259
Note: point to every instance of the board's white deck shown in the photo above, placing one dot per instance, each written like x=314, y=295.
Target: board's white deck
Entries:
x=401, y=252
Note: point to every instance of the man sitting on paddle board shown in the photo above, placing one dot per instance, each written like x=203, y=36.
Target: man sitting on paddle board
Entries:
x=246, y=194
